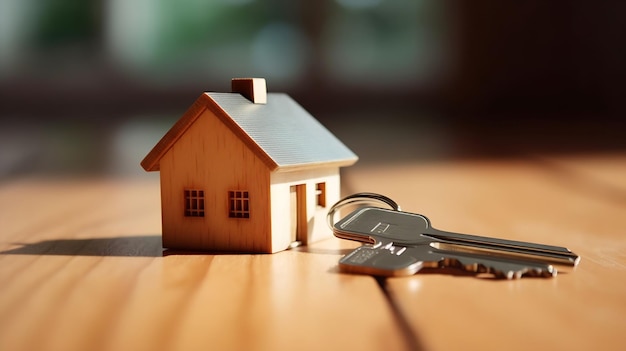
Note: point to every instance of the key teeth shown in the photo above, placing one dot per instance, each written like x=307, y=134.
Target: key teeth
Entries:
x=480, y=268
x=526, y=272
x=532, y=272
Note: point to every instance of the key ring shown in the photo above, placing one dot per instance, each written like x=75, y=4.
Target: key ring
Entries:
x=359, y=197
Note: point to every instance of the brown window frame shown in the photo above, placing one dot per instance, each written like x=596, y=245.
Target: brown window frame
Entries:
x=194, y=202
x=239, y=204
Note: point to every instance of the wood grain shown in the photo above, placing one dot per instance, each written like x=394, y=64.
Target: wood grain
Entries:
x=578, y=202
x=82, y=268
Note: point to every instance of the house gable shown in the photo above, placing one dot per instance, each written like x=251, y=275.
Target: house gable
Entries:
x=202, y=104
x=212, y=158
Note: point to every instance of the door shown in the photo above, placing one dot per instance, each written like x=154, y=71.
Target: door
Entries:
x=297, y=206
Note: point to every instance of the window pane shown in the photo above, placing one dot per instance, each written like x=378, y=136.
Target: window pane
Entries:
x=194, y=203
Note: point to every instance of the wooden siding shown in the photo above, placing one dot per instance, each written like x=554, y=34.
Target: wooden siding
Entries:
x=210, y=157
x=315, y=215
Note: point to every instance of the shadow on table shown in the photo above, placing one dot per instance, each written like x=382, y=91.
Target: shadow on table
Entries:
x=132, y=246
x=124, y=246
x=321, y=251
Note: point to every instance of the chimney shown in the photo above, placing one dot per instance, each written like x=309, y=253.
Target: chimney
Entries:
x=253, y=89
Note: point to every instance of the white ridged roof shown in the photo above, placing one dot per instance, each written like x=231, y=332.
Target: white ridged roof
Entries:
x=284, y=130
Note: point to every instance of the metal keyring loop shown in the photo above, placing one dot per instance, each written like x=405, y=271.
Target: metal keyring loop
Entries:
x=359, y=197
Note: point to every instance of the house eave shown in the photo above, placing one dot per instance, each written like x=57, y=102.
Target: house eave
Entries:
x=315, y=165
x=150, y=163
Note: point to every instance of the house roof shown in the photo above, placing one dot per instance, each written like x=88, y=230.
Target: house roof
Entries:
x=282, y=133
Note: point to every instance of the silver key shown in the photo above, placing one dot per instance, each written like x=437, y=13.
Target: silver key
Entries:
x=402, y=243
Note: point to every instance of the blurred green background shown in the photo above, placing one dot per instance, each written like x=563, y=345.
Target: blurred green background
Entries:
x=89, y=86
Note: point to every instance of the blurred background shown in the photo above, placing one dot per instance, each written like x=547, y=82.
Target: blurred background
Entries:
x=88, y=87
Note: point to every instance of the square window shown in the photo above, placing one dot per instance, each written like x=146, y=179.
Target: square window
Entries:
x=239, y=204
x=194, y=203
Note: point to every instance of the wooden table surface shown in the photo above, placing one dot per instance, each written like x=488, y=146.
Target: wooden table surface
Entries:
x=81, y=268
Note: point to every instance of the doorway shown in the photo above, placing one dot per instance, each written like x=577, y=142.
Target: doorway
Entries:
x=297, y=207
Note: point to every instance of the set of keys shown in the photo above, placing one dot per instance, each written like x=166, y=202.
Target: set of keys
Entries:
x=400, y=243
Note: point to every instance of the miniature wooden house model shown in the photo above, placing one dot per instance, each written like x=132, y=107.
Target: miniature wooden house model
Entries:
x=246, y=171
